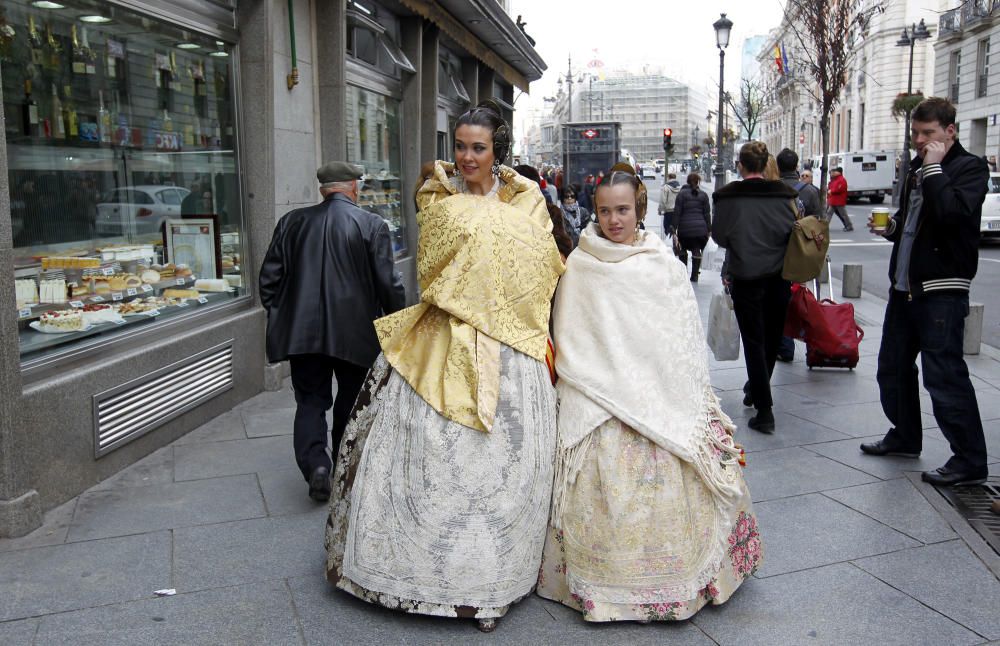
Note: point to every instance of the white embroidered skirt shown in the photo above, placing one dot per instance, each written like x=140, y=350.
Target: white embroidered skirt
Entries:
x=433, y=517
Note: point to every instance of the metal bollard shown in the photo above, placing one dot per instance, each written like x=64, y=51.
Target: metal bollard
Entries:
x=824, y=274
x=850, y=286
x=973, y=329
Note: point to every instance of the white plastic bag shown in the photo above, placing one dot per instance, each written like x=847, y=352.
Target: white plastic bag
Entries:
x=713, y=256
x=723, y=331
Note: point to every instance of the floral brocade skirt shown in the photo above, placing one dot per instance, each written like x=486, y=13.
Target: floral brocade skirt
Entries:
x=432, y=517
x=641, y=537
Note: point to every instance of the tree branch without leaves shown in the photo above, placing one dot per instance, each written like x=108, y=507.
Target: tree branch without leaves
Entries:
x=828, y=32
x=750, y=105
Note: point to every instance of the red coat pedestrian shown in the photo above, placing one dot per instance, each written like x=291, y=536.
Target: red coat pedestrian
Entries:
x=836, y=193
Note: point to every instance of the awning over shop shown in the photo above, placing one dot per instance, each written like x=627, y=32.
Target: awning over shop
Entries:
x=485, y=30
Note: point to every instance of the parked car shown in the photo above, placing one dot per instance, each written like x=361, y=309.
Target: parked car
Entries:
x=649, y=170
x=989, y=226
x=138, y=210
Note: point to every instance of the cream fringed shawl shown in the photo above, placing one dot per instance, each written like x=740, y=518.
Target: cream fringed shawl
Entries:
x=611, y=299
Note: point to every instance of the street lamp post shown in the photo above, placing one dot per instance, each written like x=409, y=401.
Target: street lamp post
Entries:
x=569, y=87
x=722, y=28
x=909, y=39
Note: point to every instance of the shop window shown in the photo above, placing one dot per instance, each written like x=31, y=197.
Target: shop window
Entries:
x=373, y=136
x=125, y=207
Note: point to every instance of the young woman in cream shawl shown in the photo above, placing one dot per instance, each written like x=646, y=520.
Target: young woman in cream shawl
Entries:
x=651, y=518
x=442, y=487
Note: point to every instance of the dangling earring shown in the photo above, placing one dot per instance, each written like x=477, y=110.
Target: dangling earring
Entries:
x=495, y=169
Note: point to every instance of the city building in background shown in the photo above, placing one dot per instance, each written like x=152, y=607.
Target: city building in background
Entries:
x=149, y=149
x=862, y=119
x=967, y=71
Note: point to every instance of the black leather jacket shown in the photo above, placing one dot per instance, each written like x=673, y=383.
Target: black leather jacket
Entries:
x=327, y=275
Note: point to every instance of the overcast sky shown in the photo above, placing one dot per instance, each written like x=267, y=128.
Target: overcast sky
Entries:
x=675, y=35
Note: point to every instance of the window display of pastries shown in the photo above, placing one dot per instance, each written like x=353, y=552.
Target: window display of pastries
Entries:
x=138, y=306
x=76, y=290
x=182, y=271
x=52, y=290
x=64, y=320
x=100, y=285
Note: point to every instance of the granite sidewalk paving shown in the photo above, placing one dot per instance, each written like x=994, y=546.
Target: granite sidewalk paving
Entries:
x=855, y=551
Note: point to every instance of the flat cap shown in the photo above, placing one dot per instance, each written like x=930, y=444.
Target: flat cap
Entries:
x=338, y=171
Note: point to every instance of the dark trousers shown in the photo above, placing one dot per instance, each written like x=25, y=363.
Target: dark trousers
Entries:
x=760, y=307
x=841, y=212
x=312, y=379
x=934, y=327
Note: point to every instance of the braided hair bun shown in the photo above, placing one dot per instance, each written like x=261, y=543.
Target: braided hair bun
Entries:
x=489, y=114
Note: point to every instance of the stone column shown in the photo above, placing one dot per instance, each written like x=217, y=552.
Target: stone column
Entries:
x=20, y=506
x=331, y=69
x=429, y=67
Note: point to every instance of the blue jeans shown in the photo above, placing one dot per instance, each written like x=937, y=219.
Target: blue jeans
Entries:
x=932, y=326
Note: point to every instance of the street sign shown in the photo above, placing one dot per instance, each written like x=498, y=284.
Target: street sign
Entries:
x=589, y=133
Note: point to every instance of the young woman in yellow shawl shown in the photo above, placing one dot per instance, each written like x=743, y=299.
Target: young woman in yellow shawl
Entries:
x=442, y=486
x=651, y=518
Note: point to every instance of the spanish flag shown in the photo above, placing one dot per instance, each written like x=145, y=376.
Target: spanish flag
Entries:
x=779, y=58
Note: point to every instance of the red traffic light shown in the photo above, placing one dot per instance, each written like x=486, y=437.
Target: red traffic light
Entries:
x=667, y=132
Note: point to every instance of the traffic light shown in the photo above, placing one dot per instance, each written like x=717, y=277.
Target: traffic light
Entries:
x=667, y=134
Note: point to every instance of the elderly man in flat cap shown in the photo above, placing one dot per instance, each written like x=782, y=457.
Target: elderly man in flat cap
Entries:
x=327, y=275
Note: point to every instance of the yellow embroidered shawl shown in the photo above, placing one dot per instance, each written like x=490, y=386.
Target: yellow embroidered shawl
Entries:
x=487, y=270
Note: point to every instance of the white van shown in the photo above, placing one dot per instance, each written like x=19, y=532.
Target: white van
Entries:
x=870, y=174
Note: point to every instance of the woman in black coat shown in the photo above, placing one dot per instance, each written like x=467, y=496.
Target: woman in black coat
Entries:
x=692, y=223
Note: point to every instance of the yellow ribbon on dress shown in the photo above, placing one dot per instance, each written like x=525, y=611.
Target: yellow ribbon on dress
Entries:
x=487, y=270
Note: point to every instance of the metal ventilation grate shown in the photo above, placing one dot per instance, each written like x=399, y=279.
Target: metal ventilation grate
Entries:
x=973, y=503
x=131, y=410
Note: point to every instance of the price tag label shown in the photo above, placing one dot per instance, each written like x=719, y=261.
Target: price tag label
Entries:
x=96, y=299
x=202, y=300
x=76, y=303
x=147, y=288
x=117, y=296
x=108, y=271
x=131, y=291
x=24, y=313
x=152, y=313
x=183, y=304
x=119, y=321
x=179, y=281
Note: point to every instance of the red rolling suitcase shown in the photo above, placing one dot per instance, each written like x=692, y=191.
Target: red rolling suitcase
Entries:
x=831, y=333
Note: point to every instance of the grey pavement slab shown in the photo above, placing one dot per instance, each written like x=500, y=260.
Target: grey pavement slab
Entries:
x=155, y=468
x=793, y=471
x=898, y=504
x=249, y=551
x=81, y=575
x=992, y=433
x=812, y=531
x=935, y=453
x=18, y=633
x=135, y=510
x=228, y=426
x=253, y=614
x=269, y=400
x=947, y=577
x=855, y=420
x=846, y=388
x=729, y=378
x=235, y=457
x=262, y=423
x=789, y=431
x=52, y=532
x=327, y=612
x=286, y=492
x=834, y=605
x=784, y=402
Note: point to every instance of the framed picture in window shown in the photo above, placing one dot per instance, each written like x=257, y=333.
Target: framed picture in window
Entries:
x=194, y=242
